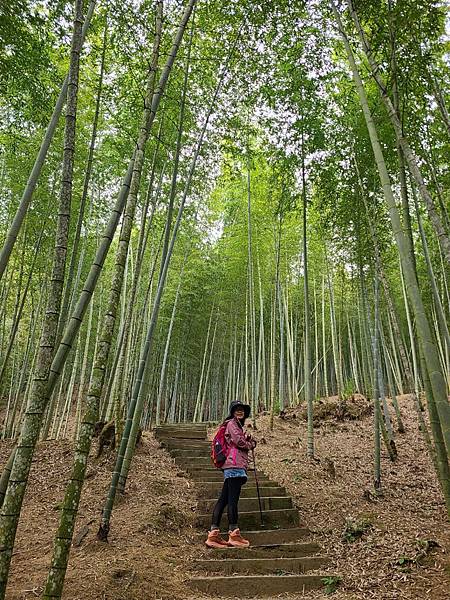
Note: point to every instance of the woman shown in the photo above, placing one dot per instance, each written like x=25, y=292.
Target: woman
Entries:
x=235, y=475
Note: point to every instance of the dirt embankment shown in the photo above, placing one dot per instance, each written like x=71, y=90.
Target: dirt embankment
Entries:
x=391, y=547
x=396, y=546
x=142, y=560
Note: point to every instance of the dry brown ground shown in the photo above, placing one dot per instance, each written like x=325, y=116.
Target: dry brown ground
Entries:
x=151, y=539
x=149, y=525
x=410, y=511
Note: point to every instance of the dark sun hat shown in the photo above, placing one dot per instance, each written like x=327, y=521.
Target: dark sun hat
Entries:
x=234, y=405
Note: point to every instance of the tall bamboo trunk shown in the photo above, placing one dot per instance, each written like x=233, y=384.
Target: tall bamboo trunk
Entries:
x=392, y=390
x=272, y=360
x=27, y=195
x=413, y=163
x=136, y=405
x=307, y=331
x=64, y=534
x=261, y=378
x=377, y=412
x=19, y=311
x=334, y=335
x=437, y=398
x=70, y=290
x=12, y=504
x=324, y=347
x=197, y=413
x=251, y=297
x=162, y=377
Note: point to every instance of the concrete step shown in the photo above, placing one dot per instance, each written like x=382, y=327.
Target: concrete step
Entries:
x=199, y=482
x=181, y=433
x=272, y=519
x=202, y=470
x=211, y=470
x=216, y=474
x=188, y=434
x=262, y=566
x=190, y=453
x=212, y=489
x=194, y=461
x=251, y=504
x=259, y=586
x=212, y=477
x=183, y=443
x=264, y=537
x=178, y=432
x=295, y=549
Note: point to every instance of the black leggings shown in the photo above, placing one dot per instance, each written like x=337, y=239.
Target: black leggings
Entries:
x=229, y=497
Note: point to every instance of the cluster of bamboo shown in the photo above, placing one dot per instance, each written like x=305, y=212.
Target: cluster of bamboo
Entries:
x=55, y=344
x=265, y=364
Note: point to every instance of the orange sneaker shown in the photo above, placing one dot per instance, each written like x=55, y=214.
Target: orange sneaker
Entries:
x=235, y=539
x=215, y=541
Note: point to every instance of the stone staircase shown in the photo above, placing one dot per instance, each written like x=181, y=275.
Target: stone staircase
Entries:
x=281, y=552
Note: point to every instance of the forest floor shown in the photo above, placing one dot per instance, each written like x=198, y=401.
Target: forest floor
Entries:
x=404, y=552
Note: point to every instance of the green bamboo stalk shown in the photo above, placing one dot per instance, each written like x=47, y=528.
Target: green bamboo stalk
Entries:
x=251, y=292
x=85, y=372
x=261, y=372
x=208, y=369
x=20, y=306
x=402, y=140
x=27, y=195
x=440, y=427
x=325, y=370
x=55, y=579
x=70, y=289
x=391, y=386
x=307, y=330
x=334, y=334
x=9, y=516
x=162, y=377
x=442, y=321
x=136, y=405
x=377, y=412
x=197, y=414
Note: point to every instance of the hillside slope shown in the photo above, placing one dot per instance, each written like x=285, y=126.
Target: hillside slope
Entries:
x=153, y=537
x=391, y=559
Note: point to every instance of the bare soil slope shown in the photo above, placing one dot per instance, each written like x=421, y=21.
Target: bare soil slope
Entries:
x=392, y=558
x=141, y=560
x=152, y=534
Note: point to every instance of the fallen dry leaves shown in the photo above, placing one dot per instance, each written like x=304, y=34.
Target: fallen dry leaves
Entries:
x=152, y=534
x=389, y=560
x=149, y=525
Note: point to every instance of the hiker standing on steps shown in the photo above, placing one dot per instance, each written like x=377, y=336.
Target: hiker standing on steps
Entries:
x=233, y=460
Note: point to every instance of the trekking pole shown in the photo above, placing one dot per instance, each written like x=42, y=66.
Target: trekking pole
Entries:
x=257, y=488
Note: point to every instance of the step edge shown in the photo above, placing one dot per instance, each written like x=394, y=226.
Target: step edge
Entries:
x=256, y=512
x=269, y=546
x=246, y=498
x=289, y=530
x=268, y=559
x=247, y=577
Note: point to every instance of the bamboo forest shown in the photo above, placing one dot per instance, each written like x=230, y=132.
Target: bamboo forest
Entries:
x=206, y=202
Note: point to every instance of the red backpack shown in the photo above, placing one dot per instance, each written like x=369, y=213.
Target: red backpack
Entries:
x=219, y=447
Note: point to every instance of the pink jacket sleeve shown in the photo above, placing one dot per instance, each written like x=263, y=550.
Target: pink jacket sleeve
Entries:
x=236, y=436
